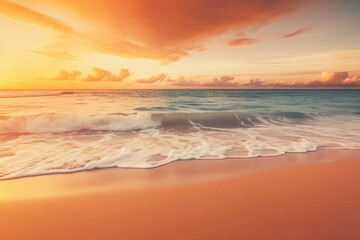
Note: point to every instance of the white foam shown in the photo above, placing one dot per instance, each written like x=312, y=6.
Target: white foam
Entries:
x=54, y=123
x=45, y=153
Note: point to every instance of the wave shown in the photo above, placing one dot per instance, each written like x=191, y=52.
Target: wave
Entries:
x=162, y=138
x=45, y=93
x=57, y=123
x=28, y=93
x=230, y=119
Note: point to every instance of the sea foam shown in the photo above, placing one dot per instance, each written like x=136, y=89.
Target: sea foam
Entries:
x=58, y=143
x=57, y=123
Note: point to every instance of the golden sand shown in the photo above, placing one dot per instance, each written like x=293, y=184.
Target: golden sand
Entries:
x=313, y=201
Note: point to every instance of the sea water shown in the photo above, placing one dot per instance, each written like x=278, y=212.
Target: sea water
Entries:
x=47, y=131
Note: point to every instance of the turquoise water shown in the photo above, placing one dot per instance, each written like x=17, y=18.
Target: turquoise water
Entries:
x=258, y=101
x=45, y=132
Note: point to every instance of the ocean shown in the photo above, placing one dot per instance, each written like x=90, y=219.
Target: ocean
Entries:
x=48, y=131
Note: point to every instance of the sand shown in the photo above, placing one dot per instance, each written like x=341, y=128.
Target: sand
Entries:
x=317, y=200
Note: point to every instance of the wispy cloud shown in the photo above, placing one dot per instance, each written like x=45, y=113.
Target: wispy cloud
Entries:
x=295, y=33
x=236, y=42
x=22, y=13
x=157, y=29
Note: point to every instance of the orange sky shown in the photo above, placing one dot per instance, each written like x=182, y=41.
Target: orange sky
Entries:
x=179, y=44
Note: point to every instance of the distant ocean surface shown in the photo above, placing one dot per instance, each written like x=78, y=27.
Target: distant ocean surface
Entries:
x=43, y=132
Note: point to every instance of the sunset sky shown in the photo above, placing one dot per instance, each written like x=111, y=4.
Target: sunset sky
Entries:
x=64, y=44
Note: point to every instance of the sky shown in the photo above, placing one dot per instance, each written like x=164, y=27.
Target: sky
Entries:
x=163, y=44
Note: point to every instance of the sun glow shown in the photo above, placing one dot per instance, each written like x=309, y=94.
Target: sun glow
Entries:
x=280, y=44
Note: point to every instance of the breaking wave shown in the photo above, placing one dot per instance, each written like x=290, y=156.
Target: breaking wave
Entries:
x=57, y=123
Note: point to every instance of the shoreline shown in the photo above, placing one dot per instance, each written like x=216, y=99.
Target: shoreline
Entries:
x=180, y=172
x=312, y=201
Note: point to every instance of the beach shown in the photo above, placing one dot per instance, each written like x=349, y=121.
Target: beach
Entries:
x=179, y=120
x=197, y=199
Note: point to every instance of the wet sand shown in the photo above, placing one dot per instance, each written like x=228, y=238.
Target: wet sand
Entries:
x=295, y=196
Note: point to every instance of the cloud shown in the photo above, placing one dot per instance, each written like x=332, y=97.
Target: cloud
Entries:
x=325, y=80
x=104, y=75
x=352, y=80
x=333, y=77
x=19, y=12
x=255, y=83
x=181, y=81
x=296, y=33
x=153, y=79
x=97, y=75
x=221, y=82
x=157, y=29
x=67, y=76
x=236, y=42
